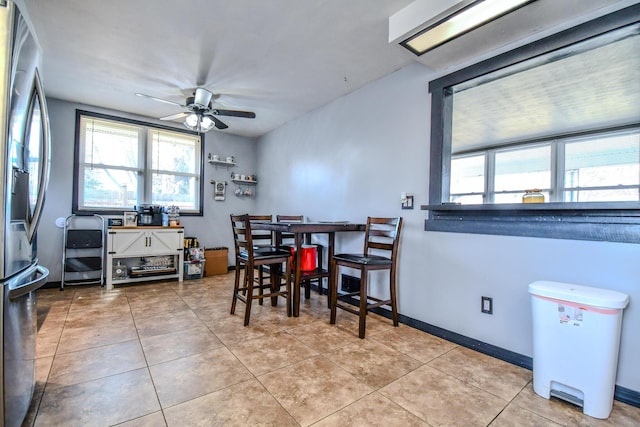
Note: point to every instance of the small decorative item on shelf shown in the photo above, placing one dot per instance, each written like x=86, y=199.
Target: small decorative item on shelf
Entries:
x=173, y=213
x=130, y=219
x=533, y=196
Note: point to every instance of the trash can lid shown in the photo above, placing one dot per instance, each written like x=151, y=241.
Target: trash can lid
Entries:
x=587, y=295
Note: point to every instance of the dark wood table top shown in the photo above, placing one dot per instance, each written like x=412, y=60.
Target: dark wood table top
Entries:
x=308, y=227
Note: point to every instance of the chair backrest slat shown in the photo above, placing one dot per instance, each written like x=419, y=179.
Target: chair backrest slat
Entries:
x=383, y=234
x=261, y=237
x=242, y=238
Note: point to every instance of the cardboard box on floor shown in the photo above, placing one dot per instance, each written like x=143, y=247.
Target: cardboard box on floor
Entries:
x=216, y=261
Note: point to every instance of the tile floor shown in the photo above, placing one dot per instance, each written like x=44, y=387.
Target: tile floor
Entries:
x=169, y=354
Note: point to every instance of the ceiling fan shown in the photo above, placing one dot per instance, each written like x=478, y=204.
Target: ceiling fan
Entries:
x=200, y=115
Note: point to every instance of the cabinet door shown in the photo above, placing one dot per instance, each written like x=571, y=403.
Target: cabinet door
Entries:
x=129, y=242
x=165, y=241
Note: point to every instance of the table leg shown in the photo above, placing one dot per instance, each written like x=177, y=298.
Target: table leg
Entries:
x=332, y=239
x=296, y=283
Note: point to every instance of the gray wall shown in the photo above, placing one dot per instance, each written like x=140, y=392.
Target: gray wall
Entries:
x=353, y=158
x=212, y=229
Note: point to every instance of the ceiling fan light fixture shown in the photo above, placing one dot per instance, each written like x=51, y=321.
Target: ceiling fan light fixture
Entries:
x=199, y=122
x=206, y=124
x=458, y=20
x=191, y=121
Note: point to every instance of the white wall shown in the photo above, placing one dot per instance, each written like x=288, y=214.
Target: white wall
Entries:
x=212, y=229
x=353, y=158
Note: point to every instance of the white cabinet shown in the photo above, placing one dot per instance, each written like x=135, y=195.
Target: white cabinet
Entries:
x=144, y=253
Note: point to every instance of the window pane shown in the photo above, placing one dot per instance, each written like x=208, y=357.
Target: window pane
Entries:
x=175, y=152
x=467, y=174
x=514, y=197
x=109, y=188
x=604, y=161
x=522, y=169
x=174, y=190
x=601, y=195
x=110, y=143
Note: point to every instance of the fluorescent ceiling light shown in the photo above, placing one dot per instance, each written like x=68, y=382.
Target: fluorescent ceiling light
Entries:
x=458, y=21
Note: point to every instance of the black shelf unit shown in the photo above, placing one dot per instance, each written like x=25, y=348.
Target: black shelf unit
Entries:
x=83, y=251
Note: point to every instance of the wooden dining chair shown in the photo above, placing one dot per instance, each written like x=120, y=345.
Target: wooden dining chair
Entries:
x=380, y=253
x=306, y=277
x=248, y=258
x=262, y=240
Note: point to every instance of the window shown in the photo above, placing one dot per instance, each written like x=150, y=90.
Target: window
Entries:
x=603, y=167
x=122, y=164
x=561, y=115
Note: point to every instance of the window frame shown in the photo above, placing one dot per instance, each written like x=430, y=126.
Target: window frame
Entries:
x=145, y=128
x=599, y=221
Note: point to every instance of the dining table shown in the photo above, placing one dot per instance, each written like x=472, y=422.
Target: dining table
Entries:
x=299, y=231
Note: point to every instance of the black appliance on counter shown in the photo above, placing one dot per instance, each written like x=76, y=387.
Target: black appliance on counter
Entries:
x=149, y=215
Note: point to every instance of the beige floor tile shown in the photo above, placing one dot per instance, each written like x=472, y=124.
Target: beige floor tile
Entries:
x=108, y=302
x=372, y=410
x=565, y=413
x=174, y=345
x=80, y=366
x=244, y=404
x=271, y=352
x=314, y=388
x=166, y=323
x=323, y=337
x=443, y=400
x=189, y=377
x=90, y=316
x=230, y=328
x=414, y=343
x=101, y=402
x=514, y=416
x=115, y=331
x=488, y=373
x=43, y=367
x=373, y=363
x=157, y=305
x=152, y=420
x=48, y=322
x=47, y=342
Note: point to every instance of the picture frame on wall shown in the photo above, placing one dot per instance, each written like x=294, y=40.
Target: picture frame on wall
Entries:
x=130, y=219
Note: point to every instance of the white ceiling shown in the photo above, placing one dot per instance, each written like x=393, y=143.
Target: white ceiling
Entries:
x=278, y=58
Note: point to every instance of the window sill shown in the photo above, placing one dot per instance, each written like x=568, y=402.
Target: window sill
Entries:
x=611, y=222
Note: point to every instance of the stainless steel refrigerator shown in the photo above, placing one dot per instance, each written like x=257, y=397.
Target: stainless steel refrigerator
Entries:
x=24, y=168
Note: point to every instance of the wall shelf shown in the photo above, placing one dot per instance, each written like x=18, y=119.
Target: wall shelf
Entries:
x=244, y=182
x=221, y=163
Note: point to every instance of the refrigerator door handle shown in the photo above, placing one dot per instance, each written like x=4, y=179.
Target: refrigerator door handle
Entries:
x=43, y=275
x=46, y=144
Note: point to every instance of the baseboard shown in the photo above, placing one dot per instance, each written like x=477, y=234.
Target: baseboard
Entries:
x=621, y=394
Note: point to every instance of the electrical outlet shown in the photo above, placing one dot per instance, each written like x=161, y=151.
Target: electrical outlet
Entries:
x=487, y=305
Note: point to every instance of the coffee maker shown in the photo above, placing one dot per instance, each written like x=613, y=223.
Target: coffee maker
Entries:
x=149, y=215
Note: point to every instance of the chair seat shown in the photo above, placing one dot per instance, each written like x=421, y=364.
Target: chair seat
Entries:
x=266, y=253
x=363, y=259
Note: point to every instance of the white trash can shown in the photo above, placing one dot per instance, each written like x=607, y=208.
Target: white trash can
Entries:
x=576, y=337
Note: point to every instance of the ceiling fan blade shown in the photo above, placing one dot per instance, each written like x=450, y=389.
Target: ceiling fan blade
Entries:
x=202, y=97
x=176, y=116
x=220, y=125
x=234, y=113
x=159, y=99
